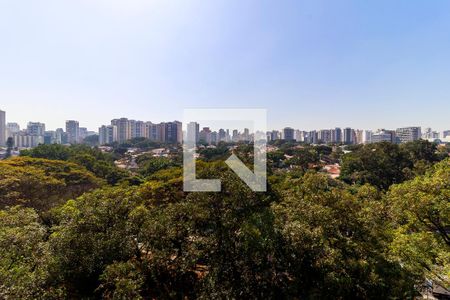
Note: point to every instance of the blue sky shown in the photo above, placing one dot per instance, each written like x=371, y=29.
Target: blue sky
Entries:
x=312, y=64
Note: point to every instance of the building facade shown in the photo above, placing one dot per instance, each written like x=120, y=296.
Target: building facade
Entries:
x=288, y=134
x=73, y=131
x=382, y=135
x=24, y=140
x=193, y=131
x=107, y=134
x=11, y=129
x=408, y=134
x=348, y=137
x=123, y=129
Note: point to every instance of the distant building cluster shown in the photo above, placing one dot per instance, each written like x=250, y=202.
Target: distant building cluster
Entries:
x=123, y=129
x=349, y=136
x=35, y=133
x=210, y=137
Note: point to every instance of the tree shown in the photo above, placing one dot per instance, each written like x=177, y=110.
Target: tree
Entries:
x=92, y=140
x=422, y=218
x=9, y=147
x=42, y=184
x=99, y=163
x=334, y=242
x=221, y=152
x=308, y=237
x=210, y=245
x=151, y=165
x=304, y=159
x=122, y=280
x=379, y=164
x=90, y=233
x=275, y=159
x=420, y=150
x=24, y=256
x=383, y=164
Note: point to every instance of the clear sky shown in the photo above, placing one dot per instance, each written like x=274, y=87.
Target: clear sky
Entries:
x=312, y=64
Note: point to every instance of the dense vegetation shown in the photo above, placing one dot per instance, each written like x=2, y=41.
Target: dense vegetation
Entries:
x=68, y=230
x=94, y=160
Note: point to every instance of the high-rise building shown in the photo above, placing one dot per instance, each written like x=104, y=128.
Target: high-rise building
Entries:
x=382, y=135
x=132, y=128
x=36, y=128
x=325, y=136
x=408, y=134
x=359, y=136
x=367, y=137
x=61, y=136
x=107, y=134
x=73, y=131
x=214, y=137
x=445, y=133
x=288, y=133
x=429, y=134
x=298, y=135
x=123, y=129
x=205, y=135
x=348, y=136
x=312, y=137
x=153, y=131
x=83, y=133
x=139, y=129
x=245, y=136
x=222, y=135
x=272, y=135
x=173, y=132
x=2, y=128
x=337, y=137
x=52, y=137
x=193, y=131
x=235, y=136
x=11, y=129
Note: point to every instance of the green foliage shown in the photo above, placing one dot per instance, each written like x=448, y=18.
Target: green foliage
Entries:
x=212, y=245
x=221, y=152
x=53, y=152
x=139, y=142
x=94, y=160
x=9, y=146
x=307, y=237
x=275, y=161
x=334, y=242
x=304, y=158
x=92, y=140
x=149, y=165
x=422, y=216
x=41, y=183
x=384, y=164
x=92, y=232
x=122, y=280
x=24, y=256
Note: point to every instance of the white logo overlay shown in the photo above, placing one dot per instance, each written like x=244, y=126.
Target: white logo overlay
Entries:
x=256, y=180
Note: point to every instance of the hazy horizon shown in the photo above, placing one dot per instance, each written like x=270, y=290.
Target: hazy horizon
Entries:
x=311, y=64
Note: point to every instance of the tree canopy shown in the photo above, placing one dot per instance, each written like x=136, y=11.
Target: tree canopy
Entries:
x=375, y=234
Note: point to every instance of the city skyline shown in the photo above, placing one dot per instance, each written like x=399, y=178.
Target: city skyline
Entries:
x=123, y=129
x=316, y=64
x=212, y=127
